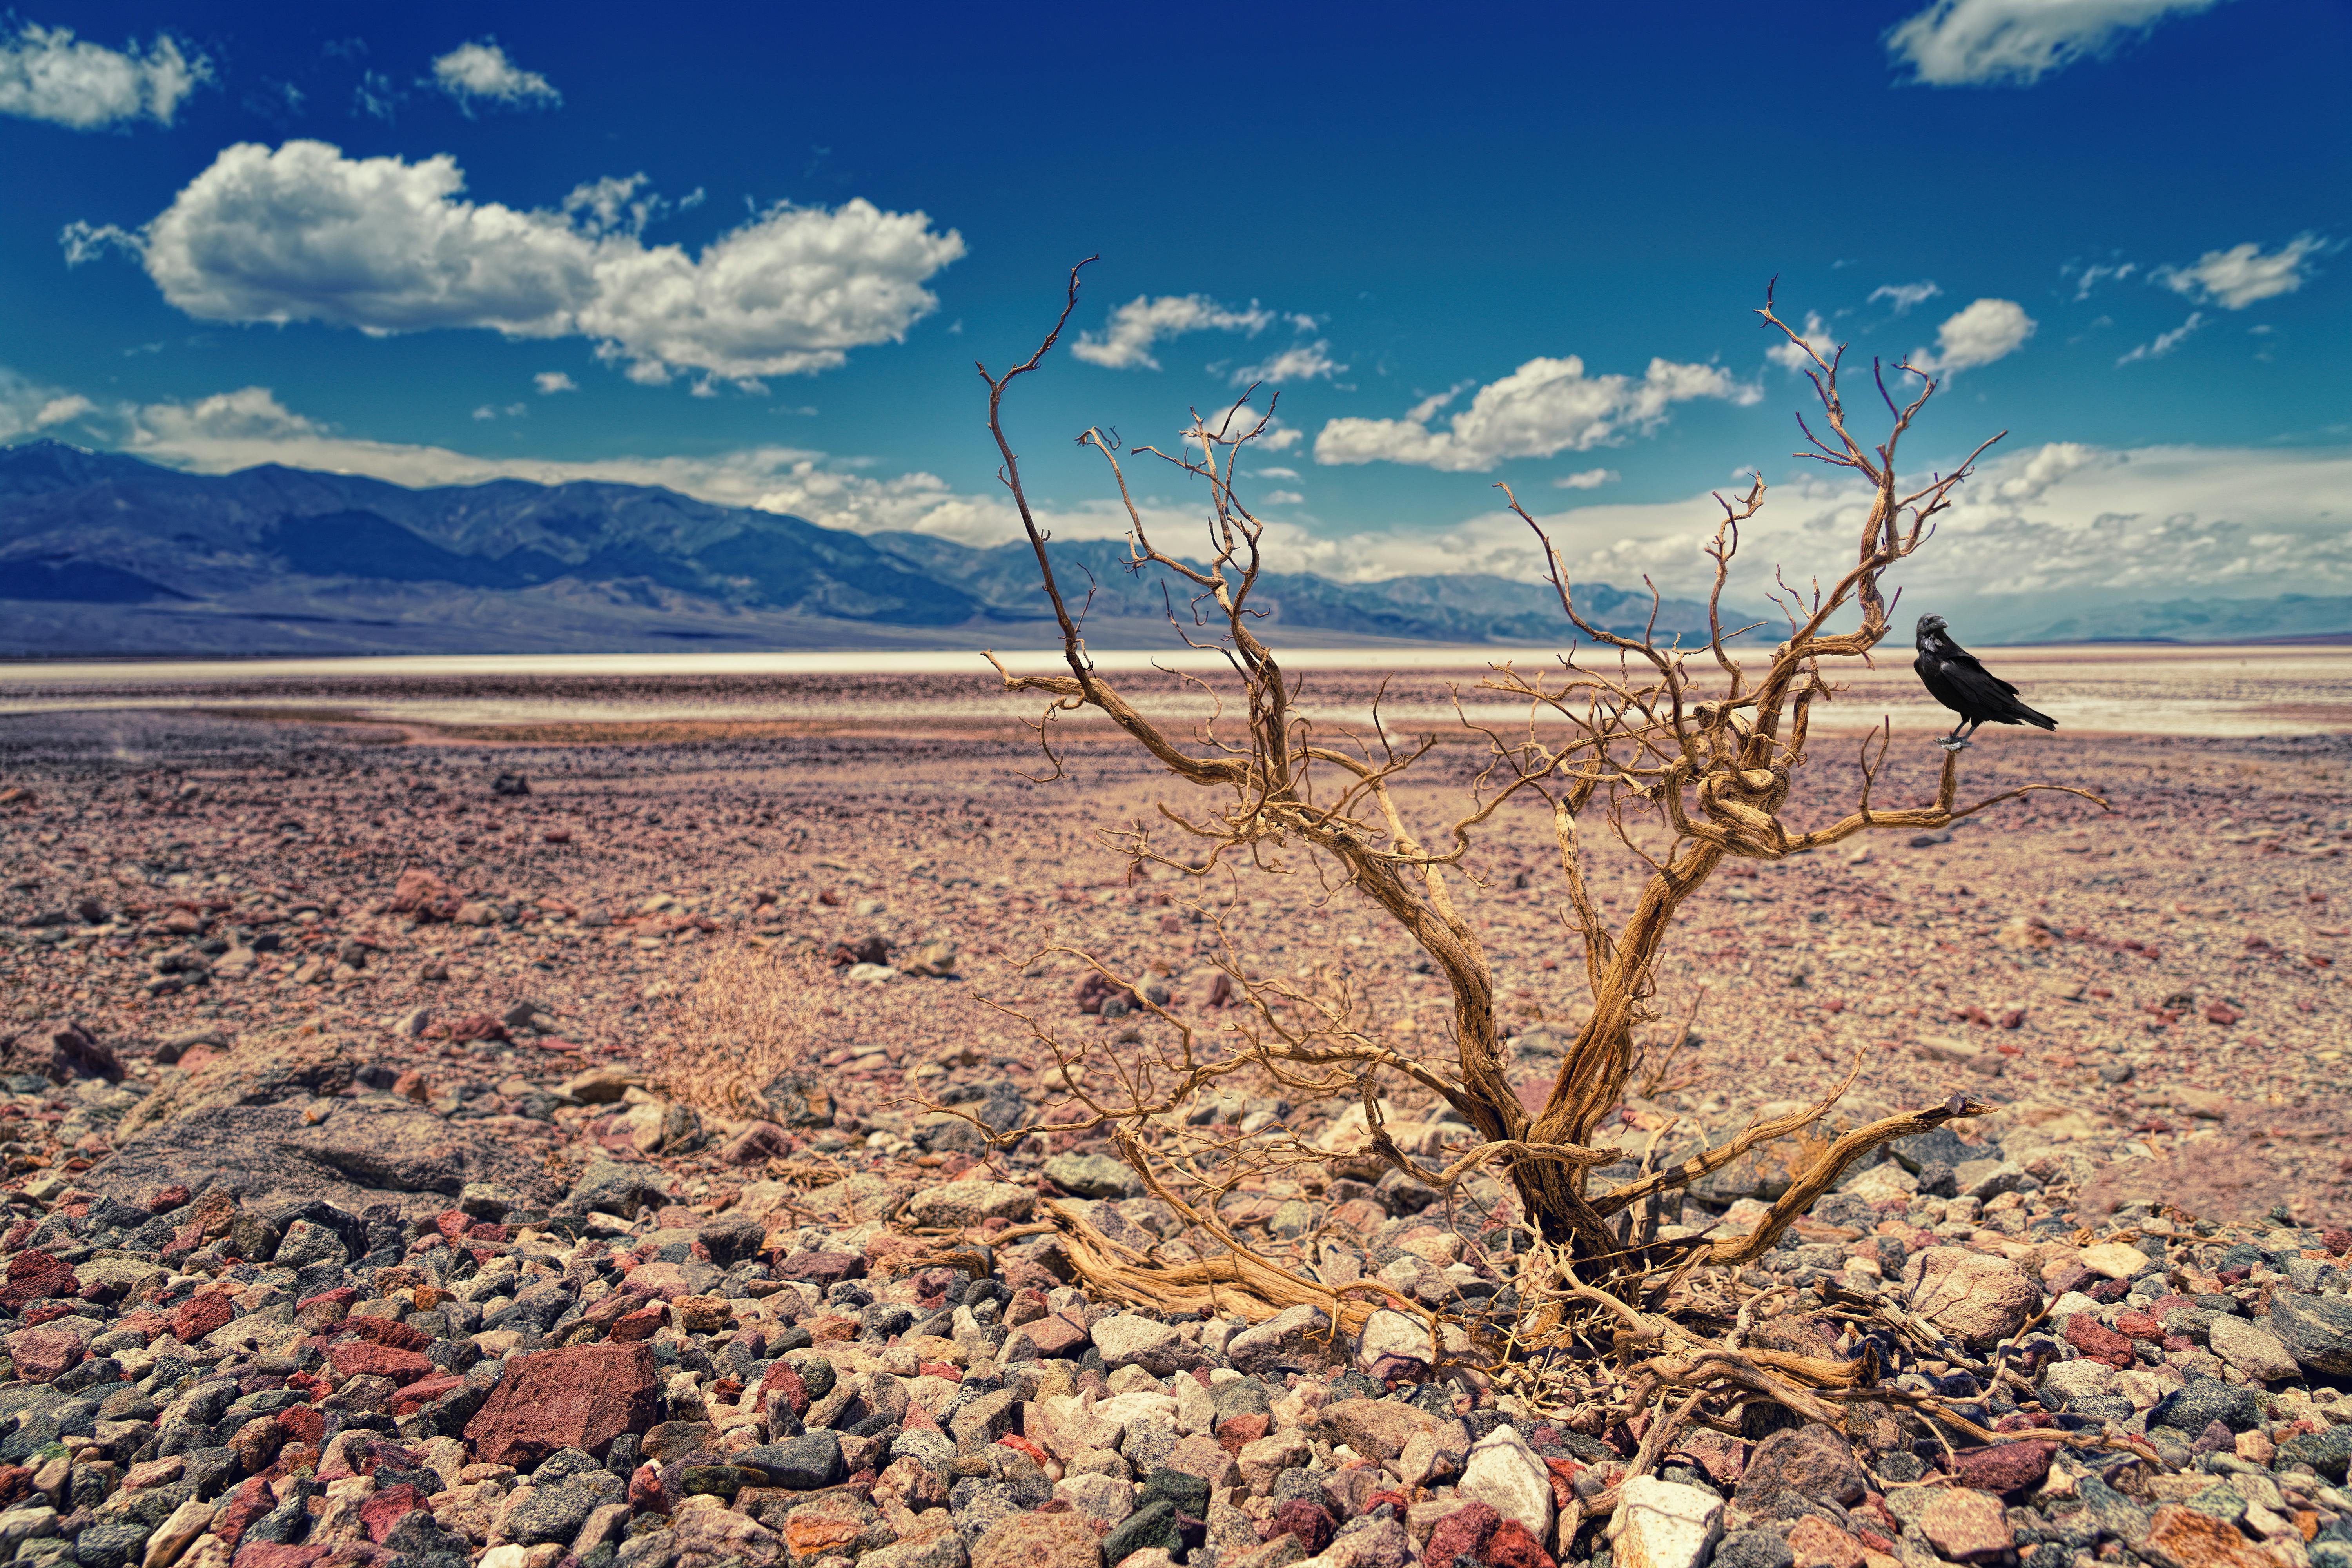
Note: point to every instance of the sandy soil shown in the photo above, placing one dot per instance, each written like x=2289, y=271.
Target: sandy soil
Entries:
x=2171, y=966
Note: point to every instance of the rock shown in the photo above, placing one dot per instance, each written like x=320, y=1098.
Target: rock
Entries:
x=798, y=1099
x=1754, y=1549
x=617, y=1187
x=1815, y=1542
x=2114, y=1260
x=1292, y=1339
x=2315, y=1330
x=1263, y=1461
x=2180, y=1537
x=1663, y=1524
x=958, y=1206
x=928, y=1545
x=581, y=1396
x=1038, y=1540
x=2200, y=1403
x=2254, y=1350
x=1506, y=1475
x=1153, y=1524
x=1131, y=1339
x=364, y=1152
x=1393, y=1345
x=1812, y=1461
x=2005, y=1468
x=803, y=1464
x=1965, y=1526
x=1376, y=1428
x=1970, y=1295
x=1094, y=1177
x=2327, y=1452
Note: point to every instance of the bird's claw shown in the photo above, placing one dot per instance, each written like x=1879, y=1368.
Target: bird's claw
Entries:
x=1952, y=744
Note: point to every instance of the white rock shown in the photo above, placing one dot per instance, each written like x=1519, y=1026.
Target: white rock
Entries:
x=1506, y=1475
x=953, y=1206
x=1662, y=1524
x=1393, y=1338
x=1882, y=1180
x=1131, y=1339
x=2071, y=1380
x=2113, y=1260
x=175, y=1535
x=508, y=1556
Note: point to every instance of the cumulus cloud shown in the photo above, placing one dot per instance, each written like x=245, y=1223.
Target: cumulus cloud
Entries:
x=45, y=74
x=1987, y=330
x=1903, y=295
x=27, y=408
x=1586, y=480
x=1126, y=339
x=302, y=233
x=1299, y=362
x=2016, y=43
x=2163, y=344
x=1547, y=406
x=481, y=73
x=1817, y=337
x=550, y=381
x=2236, y=278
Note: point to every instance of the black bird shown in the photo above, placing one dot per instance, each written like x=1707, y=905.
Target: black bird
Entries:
x=1954, y=678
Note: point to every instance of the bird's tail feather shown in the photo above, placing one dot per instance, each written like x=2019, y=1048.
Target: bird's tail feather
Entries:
x=2038, y=720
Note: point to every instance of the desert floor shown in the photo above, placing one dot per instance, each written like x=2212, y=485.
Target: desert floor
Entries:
x=670, y=889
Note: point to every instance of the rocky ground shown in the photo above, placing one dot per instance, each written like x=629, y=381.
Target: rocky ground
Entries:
x=431, y=1151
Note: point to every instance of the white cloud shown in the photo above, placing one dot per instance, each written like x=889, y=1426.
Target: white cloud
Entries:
x=512, y=410
x=1126, y=341
x=2098, y=273
x=303, y=233
x=1977, y=43
x=1299, y=362
x=1586, y=480
x=1987, y=330
x=2165, y=343
x=550, y=381
x=1282, y=497
x=480, y=72
x=1903, y=295
x=45, y=74
x=2236, y=278
x=1816, y=335
x=1547, y=406
x=27, y=407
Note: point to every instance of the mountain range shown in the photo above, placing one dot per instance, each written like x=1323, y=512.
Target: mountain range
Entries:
x=102, y=553
x=106, y=555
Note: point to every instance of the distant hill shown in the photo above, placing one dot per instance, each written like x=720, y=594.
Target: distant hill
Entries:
x=2288, y=617
x=103, y=553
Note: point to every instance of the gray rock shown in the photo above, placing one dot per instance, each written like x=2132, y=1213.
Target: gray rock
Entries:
x=1130, y=1339
x=1292, y=1339
x=1094, y=1177
x=610, y=1187
x=2208, y=1399
x=1753, y=1549
x=305, y=1243
x=802, y=1464
x=2315, y=1330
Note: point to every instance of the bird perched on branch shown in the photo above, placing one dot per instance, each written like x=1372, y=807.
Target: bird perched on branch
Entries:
x=1954, y=678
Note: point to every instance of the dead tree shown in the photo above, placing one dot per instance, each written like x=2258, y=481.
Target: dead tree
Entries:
x=1700, y=746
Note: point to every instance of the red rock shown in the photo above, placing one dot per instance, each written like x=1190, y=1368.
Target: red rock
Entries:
x=822, y=1268
x=363, y=1358
x=1512, y=1547
x=1057, y=1336
x=386, y=1509
x=1966, y=1526
x=2003, y=1466
x=452, y=1223
x=1027, y=1446
x=34, y=1275
x=2140, y=1325
x=1238, y=1432
x=41, y=1353
x=948, y=1369
x=245, y=1505
x=1311, y=1522
x=2099, y=1342
x=388, y=1332
x=199, y=1315
x=832, y=1327
x=415, y=1397
x=16, y=1484
x=420, y=893
x=166, y=1199
x=781, y=1378
x=303, y=1424
x=633, y=1328
x=581, y=1396
x=1462, y=1534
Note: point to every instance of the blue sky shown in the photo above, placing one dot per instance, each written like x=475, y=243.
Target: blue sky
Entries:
x=753, y=255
